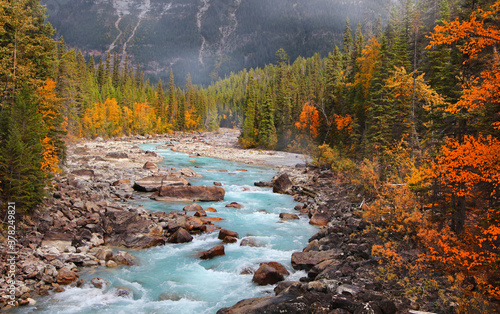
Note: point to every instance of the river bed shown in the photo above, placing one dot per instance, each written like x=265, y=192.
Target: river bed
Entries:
x=171, y=278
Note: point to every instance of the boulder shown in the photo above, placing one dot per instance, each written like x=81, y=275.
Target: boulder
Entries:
x=287, y=216
x=281, y=183
x=217, y=184
x=211, y=210
x=66, y=276
x=123, y=228
x=117, y=155
x=306, y=260
x=229, y=239
x=234, y=205
x=99, y=283
x=190, y=193
x=149, y=166
x=120, y=182
x=250, y=242
x=269, y=274
x=223, y=233
x=188, y=172
x=180, y=236
x=192, y=208
x=154, y=183
x=319, y=219
x=104, y=254
x=200, y=213
x=124, y=258
x=263, y=184
x=213, y=252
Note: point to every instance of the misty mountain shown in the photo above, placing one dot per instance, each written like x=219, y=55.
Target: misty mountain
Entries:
x=207, y=38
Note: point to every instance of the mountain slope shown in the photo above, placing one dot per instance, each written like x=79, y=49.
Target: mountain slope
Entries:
x=207, y=38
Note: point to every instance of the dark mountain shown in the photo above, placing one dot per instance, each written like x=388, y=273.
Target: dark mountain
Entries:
x=207, y=38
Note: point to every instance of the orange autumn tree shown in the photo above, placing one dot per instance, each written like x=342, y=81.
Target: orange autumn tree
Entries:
x=466, y=174
x=51, y=117
x=309, y=120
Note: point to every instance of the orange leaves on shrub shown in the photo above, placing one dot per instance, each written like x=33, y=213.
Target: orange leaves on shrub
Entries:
x=462, y=166
x=396, y=210
x=309, y=120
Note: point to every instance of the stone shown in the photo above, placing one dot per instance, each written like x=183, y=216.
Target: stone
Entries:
x=154, y=183
x=306, y=260
x=124, y=258
x=86, y=174
x=192, y=207
x=234, y=205
x=263, y=184
x=287, y=216
x=229, y=239
x=180, y=236
x=99, y=283
x=200, y=213
x=319, y=219
x=267, y=275
x=281, y=183
x=104, y=254
x=149, y=166
x=283, y=285
x=66, y=276
x=117, y=155
x=217, y=184
x=120, y=182
x=190, y=193
x=223, y=233
x=188, y=172
x=250, y=242
x=111, y=264
x=211, y=210
x=213, y=252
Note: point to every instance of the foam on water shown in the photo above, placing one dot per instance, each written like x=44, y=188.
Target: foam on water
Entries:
x=170, y=278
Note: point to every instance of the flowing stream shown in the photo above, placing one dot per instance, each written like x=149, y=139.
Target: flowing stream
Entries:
x=170, y=278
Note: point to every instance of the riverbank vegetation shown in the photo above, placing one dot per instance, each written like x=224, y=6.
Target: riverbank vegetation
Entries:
x=408, y=112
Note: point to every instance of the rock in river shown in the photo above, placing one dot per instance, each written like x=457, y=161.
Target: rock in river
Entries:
x=153, y=183
x=189, y=194
x=213, y=252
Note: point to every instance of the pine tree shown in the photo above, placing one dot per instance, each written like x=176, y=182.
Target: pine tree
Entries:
x=267, y=130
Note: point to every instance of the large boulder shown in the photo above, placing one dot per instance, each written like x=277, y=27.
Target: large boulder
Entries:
x=124, y=258
x=123, y=228
x=190, y=194
x=66, y=276
x=319, y=219
x=192, y=208
x=281, y=183
x=213, y=252
x=153, y=183
x=180, y=236
x=270, y=273
x=223, y=233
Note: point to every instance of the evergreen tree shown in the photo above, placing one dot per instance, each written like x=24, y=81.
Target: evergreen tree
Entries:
x=267, y=130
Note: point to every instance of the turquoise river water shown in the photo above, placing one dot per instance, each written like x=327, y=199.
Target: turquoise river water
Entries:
x=173, y=271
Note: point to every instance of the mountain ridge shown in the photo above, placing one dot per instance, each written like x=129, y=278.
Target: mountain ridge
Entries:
x=206, y=38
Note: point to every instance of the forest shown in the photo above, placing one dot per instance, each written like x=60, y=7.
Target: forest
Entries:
x=408, y=112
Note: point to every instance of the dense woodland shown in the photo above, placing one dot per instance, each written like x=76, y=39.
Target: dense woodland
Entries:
x=408, y=112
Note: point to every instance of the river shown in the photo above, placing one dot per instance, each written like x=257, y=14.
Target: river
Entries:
x=171, y=278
